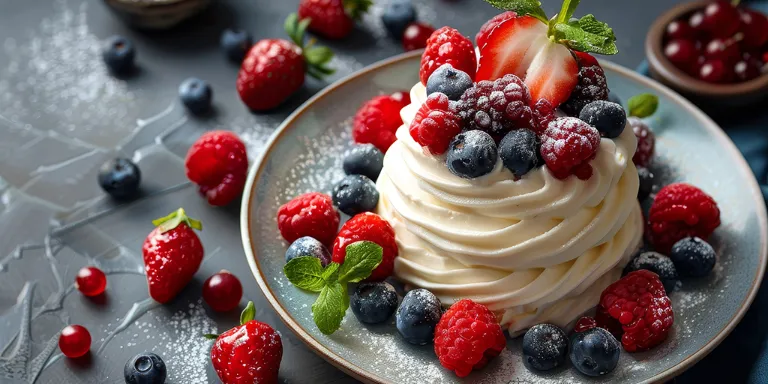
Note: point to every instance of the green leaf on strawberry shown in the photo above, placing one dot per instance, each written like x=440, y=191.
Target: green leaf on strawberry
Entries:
x=355, y=9
x=522, y=7
x=174, y=219
x=248, y=314
x=316, y=58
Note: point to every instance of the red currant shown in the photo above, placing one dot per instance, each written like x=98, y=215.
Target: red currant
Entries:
x=679, y=29
x=721, y=19
x=754, y=26
x=222, y=291
x=746, y=70
x=91, y=281
x=74, y=341
x=681, y=53
x=722, y=49
x=415, y=36
x=714, y=71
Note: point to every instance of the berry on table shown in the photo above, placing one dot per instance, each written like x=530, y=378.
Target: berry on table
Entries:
x=693, y=257
x=472, y=154
x=435, y=124
x=449, y=81
x=145, y=368
x=308, y=246
x=568, y=145
x=467, y=337
x=607, y=117
x=364, y=159
x=222, y=291
x=592, y=85
x=369, y=227
x=311, y=214
x=333, y=19
x=681, y=210
x=378, y=119
x=196, y=95
x=415, y=35
x=235, y=44
x=374, y=303
x=418, y=316
x=482, y=35
x=658, y=264
x=545, y=347
x=355, y=194
x=396, y=17
x=646, y=183
x=679, y=29
x=754, y=27
x=520, y=152
x=497, y=107
x=218, y=163
x=91, y=281
x=646, y=142
x=447, y=46
x=120, y=178
x=682, y=53
x=118, y=54
x=721, y=19
x=595, y=352
x=74, y=341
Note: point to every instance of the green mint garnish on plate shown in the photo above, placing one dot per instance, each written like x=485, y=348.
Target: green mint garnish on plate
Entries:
x=331, y=305
x=643, y=105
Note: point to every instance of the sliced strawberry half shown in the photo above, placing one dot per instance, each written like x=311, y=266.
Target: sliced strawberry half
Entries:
x=506, y=50
x=553, y=74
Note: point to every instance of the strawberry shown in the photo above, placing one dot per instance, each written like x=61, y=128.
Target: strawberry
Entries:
x=274, y=69
x=333, y=19
x=172, y=254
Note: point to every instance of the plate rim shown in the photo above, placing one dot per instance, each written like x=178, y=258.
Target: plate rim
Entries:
x=367, y=376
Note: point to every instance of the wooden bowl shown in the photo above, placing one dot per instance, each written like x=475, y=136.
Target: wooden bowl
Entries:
x=156, y=14
x=709, y=96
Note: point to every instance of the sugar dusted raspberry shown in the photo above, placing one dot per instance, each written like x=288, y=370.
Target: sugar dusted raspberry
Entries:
x=368, y=227
x=592, y=85
x=497, y=107
x=447, y=46
x=485, y=31
x=568, y=145
x=378, y=119
x=435, y=124
x=646, y=142
x=543, y=114
x=311, y=214
x=681, y=210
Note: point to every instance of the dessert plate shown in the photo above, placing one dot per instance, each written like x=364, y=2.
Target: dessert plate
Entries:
x=305, y=155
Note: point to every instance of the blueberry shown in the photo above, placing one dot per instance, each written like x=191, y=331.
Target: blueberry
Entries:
x=519, y=151
x=355, y=194
x=308, y=246
x=658, y=264
x=449, y=81
x=145, y=368
x=646, y=183
x=364, y=159
x=595, y=352
x=418, y=316
x=472, y=154
x=374, y=303
x=196, y=95
x=119, y=177
x=118, y=54
x=235, y=43
x=693, y=257
x=544, y=347
x=396, y=17
x=607, y=117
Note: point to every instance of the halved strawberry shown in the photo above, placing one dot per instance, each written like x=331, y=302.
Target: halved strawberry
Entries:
x=507, y=47
x=553, y=74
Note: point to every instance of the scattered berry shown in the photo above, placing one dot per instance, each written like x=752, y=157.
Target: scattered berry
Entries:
x=308, y=246
x=519, y=151
x=371, y=227
x=145, y=368
x=646, y=183
x=607, y=117
x=377, y=121
x=311, y=214
x=592, y=85
x=545, y=347
x=333, y=19
x=74, y=341
x=449, y=81
x=693, y=257
x=364, y=159
x=118, y=54
x=415, y=36
x=658, y=264
x=120, y=178
x=374, y=303
x=472, y=154
x=355, y=194
x=418, y=316
x=396, y=17
x=584, y=323
x=222, y=291
x=91, y=281
x=681, y=210
x=754, y=27
x=543, y=114
x=467, y=337
x=568, y=145
x=497, y=107
x=595, y=352
x=482, y=35
x=646, y=142
x=435, y=124
x=235, y=43
x=218, y=163
x=196, y=95
x=447, y=46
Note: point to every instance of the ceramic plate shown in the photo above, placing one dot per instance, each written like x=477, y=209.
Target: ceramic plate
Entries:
x=305, y=155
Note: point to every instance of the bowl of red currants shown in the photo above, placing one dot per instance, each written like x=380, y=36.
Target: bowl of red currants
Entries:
x=713, y=52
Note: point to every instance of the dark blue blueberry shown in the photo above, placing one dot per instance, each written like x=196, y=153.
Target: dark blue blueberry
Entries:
x=374, y=303
x=614, y=98
x=472, y=154
x=119, y=177
x=196, y=95
x=235, y=43
x=595, y=352
x=396, y=17
x=308, y=246
x=693, y=257
x=646, y=183
x=658, y=264
x=355, y=194
x=145, y=368
x=449, y=81
x=607, y=117
x=544, y=347
x=364, y=159
x=118, y=54
x=418, y=316
x=519, y=151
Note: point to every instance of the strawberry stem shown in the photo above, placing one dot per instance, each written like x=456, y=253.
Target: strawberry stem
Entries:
x=174, y=219
x=316, y=58
x=248, y=314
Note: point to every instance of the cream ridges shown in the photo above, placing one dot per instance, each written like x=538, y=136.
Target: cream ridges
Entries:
x=534, y=250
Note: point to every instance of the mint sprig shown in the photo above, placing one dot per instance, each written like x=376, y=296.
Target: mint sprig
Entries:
x=307, y=273
x=521, y=7
x=643, y=105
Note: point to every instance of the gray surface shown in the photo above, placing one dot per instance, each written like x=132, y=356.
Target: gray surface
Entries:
x=61, y=115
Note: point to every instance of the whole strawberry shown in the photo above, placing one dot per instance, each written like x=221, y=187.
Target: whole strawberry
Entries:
x=172, y=255
x=333, y=19
x=274, y=69
x=249, y=353
x=217, y=162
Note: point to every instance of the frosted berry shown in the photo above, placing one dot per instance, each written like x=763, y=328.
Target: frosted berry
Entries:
x=592, y=85
x=368, y=227
x=447, y=46
x=681, y=210
x=658, y=264
x=222, y=291
x=355, y=194
x=519, y=151
x=311, y=214
x=74, y=341
x=91, y=281
x=308, y=246
x=595, y=352
x=693, y=257
x=418, y=315
x=435, y=124
x=545, y=347
x=568, y=145
x=472, y=154
x=646, y=142
x=374, y=303
x=449, y=81
x=497, y=107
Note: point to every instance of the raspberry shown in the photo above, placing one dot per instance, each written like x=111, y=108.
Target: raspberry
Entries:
x=467, y=337
x=447, y=46
x=368, y=227
x=217, y=162
x=435, y=124
x=681, y=210
x=605, y=321
x=497, y=107
x=638, y=301
x=311, y=214
x=646, y=141
x=568, y=145
x=592, y=85
x=487, y=28
x=543, y=114
x=584, y=324
x=378, y=119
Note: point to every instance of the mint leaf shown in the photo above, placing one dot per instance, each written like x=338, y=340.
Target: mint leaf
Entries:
x=248, y=313
x=331, y=273
x=587, y=35
x=591, y=25
x=305, y=272
x=521, y=7
x=567, y=10
x=330, y=307
x=361, y=259
x=643, y=105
